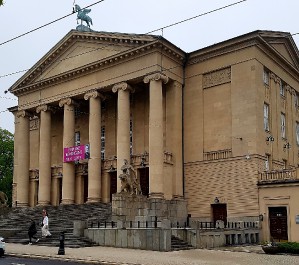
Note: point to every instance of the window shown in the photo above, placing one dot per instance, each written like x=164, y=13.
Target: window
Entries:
x=77, y=138
x=103, y=142
x=266, y=117
x=131, y=136
x=267, y=162
x=283, y=125
x=266, y=77
x=297, y=100
x=297, y=132
x=282, y=86
x=285, y=163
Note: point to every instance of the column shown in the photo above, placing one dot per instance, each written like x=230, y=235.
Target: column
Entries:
x=178, y=141
x=94, y=162
x=68, y=169
x=44, y=190
x=123, y=126
x=15, y=167
x=23, y=159
x=156, y=148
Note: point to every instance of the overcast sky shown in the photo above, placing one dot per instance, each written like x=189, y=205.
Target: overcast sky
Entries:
x=129, y=16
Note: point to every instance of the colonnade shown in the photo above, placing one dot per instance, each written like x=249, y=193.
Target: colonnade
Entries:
x=123, y=90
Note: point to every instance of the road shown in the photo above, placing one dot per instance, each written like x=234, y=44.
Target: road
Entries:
x=28, y=261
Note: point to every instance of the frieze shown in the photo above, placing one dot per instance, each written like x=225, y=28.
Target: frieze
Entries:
x=217, y=78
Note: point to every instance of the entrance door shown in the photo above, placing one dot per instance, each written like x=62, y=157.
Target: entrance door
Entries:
x=219, y=212
x=113, y=183
x=144, y=180
x=278, y=223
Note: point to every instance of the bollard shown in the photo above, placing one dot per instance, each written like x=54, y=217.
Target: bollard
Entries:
x=61, y=244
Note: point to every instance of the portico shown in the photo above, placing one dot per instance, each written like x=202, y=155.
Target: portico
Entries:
x=120, y=117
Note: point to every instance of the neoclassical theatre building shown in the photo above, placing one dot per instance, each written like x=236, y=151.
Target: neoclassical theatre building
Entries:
x=218, y=127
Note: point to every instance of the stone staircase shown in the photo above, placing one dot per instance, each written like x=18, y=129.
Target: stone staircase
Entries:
x=60, y=220
x=179, y=244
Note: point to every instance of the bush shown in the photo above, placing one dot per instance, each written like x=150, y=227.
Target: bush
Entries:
x=289, y=247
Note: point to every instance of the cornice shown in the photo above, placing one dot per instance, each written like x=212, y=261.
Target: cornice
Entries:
x=147, y=45
x=210, y=52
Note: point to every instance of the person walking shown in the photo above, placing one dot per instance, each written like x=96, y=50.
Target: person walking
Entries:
x=32, y=231
x=45, y=224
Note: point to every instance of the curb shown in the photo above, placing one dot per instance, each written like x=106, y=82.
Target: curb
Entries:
x=70, y=259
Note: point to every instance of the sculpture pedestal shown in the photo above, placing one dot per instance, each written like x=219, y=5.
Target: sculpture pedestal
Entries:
x=134, y=208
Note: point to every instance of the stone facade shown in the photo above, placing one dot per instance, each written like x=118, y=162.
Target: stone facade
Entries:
x=202, y=127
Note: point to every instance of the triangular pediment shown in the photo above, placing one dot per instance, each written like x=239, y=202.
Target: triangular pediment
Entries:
x=78, y=49
x=284, y=45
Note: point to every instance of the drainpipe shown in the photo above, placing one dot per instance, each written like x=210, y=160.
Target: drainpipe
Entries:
x=183, y=89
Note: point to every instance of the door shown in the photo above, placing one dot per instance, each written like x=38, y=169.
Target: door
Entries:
x=278, y=221
x=144, y=180
x=113, y=183
x=219, y=212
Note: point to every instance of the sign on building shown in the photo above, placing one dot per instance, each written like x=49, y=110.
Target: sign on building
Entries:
x=75, y=153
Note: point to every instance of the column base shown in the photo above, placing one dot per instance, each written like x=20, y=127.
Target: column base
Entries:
x=156, y=195
x=93, y=200
x=67, y=201
x=178, y=197
x=42, y=203
x=22, y=204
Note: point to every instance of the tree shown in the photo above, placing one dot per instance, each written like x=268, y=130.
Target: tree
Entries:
x=1, y=2
x=6, y=162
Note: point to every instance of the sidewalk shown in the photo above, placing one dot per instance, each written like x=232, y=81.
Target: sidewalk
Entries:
x=111, y=256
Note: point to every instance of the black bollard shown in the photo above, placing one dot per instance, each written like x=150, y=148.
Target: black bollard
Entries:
x=61, y=244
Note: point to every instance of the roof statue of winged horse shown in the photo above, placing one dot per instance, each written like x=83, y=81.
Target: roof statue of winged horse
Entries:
x=82, y=15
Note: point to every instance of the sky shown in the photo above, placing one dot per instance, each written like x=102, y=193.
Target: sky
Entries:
x=18, y=54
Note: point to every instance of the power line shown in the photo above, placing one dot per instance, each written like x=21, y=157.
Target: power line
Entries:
x=168, y=26
x=47, y=24
x=200, y=15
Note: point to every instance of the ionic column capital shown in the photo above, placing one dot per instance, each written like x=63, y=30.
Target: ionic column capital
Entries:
x=122, y=86
x=94, y=94
x=44, y=108
x=156, y=77
x=67, y=101
x=23, y=114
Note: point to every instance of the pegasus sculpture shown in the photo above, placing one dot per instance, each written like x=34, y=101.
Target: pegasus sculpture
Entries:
x=82, y=14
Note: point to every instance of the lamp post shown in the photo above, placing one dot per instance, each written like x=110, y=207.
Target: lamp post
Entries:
x=61, y=244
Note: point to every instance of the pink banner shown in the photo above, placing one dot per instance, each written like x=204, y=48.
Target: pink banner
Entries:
x=75, y=153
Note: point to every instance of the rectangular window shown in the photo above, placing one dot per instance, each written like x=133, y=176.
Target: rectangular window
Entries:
x=297, y=100
x=266, y=77
x=266, y=117
x=131, y=136
x=283, y=125
x=282, y=86
x=297, y=132
x=77, y=138
x=267, y=162
x=103, y=142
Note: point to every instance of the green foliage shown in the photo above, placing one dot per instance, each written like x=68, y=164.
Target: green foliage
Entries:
x=1, y=2
x=289, y=247
x=6, y=162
